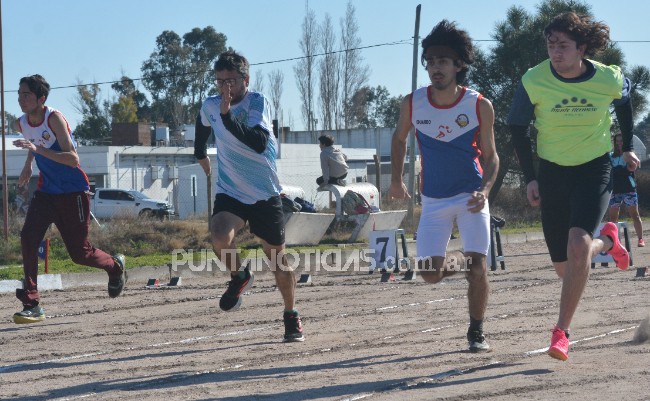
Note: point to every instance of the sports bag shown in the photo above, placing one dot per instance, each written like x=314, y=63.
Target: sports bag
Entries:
x=354, y=203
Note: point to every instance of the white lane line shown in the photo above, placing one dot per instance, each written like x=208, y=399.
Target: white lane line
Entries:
x=77, y=397
x=456, y=372
x=438, y=328
x=183, y=341
x=415, y=304
x=67, y=358
x=358, y=397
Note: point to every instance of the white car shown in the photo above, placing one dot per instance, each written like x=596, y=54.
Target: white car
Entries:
x=107, y=203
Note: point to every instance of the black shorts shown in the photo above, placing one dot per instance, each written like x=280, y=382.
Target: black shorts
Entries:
x=572, y=196
x=265, y=217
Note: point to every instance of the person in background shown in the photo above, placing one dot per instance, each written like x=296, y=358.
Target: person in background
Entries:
x=61, y=196
x=624, y=190
x=569, y=96
x=333, y=163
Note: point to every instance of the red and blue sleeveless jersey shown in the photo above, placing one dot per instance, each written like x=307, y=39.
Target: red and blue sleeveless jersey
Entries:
x=54, y=177
x=447, y=138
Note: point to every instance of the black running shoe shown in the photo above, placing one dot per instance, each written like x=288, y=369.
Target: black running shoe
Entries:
x=231, y=299
x=115, y=286
x=477, y=341
x=292, y=328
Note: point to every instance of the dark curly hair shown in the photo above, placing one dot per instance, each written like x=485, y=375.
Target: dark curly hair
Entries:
x=233, y=61
x=447, y=34
x=37, y=85
x=582, y=29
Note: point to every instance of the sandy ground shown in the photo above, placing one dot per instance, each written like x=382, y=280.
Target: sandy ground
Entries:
x=365, y=340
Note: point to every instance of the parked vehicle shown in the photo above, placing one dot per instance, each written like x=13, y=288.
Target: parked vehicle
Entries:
x=107, y=203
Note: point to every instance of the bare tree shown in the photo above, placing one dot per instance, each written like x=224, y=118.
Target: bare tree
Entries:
x=328, y=75
x=258, y=83
x=353, y=73
x=276, y=81
x=304, y=70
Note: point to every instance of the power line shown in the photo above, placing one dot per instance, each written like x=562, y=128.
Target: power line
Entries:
x=399, y=42
x=405, y=41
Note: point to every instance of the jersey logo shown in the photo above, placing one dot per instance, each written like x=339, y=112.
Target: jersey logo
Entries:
x=573, y=105
x=46, y=135
x=443, y=130
x=462, y=120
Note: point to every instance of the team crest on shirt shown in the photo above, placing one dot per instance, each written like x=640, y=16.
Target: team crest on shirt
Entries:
x=45, y=135
x=462, y=120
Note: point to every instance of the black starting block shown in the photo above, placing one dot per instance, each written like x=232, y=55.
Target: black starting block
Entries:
x=496, y=250
x=154, y=283
x=409, y=275
x=304, y=279
x=387, y=277
x=642, y=272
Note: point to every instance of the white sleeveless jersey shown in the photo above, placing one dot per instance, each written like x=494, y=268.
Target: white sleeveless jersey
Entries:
x=54, y=177
x=447, y=138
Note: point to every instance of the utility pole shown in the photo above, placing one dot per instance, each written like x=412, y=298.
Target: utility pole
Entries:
x=414, y=83
x=5, y=186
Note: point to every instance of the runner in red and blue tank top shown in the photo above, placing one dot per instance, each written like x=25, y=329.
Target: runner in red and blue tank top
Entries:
x=61, y=196
x=454, y=128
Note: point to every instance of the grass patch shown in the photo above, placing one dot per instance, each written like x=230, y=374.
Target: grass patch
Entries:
x=151, y=242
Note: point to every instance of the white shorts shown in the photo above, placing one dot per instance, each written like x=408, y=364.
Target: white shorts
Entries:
x=436, y=224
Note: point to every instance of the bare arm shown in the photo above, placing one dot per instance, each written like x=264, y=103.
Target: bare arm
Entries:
x=398, y=150
x=489, y=156
x=26, y=173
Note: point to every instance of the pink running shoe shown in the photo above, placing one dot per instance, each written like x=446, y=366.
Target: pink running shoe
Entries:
x=641, y=243
x=618, y=252
x=559, y=348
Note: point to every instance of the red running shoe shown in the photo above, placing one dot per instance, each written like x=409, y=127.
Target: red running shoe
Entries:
x=618, y=252
x=559, y=348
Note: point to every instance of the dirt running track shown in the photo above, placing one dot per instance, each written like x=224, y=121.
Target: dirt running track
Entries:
x=365, y=340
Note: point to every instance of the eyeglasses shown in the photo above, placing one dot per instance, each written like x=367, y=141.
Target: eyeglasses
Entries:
x=229, y=81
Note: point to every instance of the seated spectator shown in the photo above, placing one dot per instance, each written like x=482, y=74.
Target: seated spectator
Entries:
x=332, y=162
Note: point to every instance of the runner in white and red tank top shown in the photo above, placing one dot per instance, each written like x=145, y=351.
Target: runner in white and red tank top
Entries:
x=61, y=197
x=454, y=127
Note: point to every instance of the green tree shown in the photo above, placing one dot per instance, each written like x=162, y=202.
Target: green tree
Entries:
x=520, y=45
x=9, y=123
x=95, y=126
x=178, y=73
x=124, y=110
x=204, y=47
x=166, y=77
x=373, y=108
x=126, y=87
